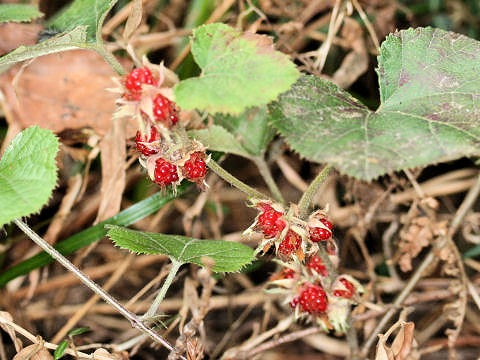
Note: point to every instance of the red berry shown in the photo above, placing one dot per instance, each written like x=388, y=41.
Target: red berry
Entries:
x=141, y=140
x=320, y=234
x=164, y=110
x=327, y=223
x=294, y=302
x=287, y=273
x=315, y=263
x=165, y=172
x=270, y=222
x=348, y=293
x=313, y=299
x=195, y=167
x=290, y=243
x=134, y=82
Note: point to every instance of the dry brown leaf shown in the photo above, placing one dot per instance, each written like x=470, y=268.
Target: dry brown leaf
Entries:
x=64, y=91
x=33, y=352
x=104, y=354
x=413, y=239
x=113, y=155
x=134, y=19
x=9, y=330
x=12, y=35
x=402, y=344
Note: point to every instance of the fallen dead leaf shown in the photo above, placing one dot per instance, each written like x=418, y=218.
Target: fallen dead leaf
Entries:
x=33, y=352
x=64, y=91
x=12, y=35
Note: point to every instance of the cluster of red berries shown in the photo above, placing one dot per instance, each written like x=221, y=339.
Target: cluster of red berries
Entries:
x=270, y=223
x=161, y=133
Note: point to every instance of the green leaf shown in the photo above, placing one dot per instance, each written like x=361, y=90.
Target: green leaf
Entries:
x=251, y=128
x=227, y=256
x=61, y=42
x=239, y=70
x=60, y=350
x=89, y=13
x=88, y=236
x=429, y=112
x=217, y=138
x=28, y=173
x=18, y=13
x=78, y=331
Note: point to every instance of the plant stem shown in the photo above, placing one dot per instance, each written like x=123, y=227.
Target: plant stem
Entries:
x=225, y=175
x=107, y=56
x=163, y=291
x=135, y=321
x=307, y=198
x=267, y=176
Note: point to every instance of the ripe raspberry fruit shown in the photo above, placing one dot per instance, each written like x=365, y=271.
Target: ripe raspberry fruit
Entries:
x=348, y=293
x=313, y=299
x=270, y=222
x=134, y=82
x=290, y=243
x=164, y=110
x=195, y=168
x=165, y=173
x=315, y=263
x=294, y=302
x=320, y=234
x=142, y=142
x=287, y=274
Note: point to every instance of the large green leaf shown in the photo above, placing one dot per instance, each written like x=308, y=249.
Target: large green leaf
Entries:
x=251, y=128
x=89, y=13
x=61, y=42
x=239, y=70
x=226, y=256
x=430, y=95
x=28, y=173
x=18, y=12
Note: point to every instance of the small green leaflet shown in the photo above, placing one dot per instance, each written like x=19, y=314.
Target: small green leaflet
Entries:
x=88, y=13
x=18, y=13
x=60, y=350
x=430, y=95
x=239, y=70
x=226, y=256
x=28, y=173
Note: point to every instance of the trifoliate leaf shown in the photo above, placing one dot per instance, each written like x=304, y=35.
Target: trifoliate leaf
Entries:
x=430, y=90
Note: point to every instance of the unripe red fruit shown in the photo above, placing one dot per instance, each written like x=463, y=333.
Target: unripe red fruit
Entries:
x=313, y=299
x=195, y=168
x=348, y=293
x=294, y=302
x=320, y=234
x=164, y=110
x=287, y=274
x=165, y=173
x=290, y=243
x=315, y=263
x=143, y=148
x=134, y=82
x=270, y=222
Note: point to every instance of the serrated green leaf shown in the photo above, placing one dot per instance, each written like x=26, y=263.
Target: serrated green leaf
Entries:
x=78, y=331
x=227, y=256
x=89, y=13
x=28, y=173
x=239, y=70
x=60, y=350
x=217, y=138
x=429, y=112
x=61, y=42
x=18, y=13
x=251, y=128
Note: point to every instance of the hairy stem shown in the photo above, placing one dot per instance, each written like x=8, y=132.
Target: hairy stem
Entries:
x=225, y=175
x=307, y=197
x=163, y=291
x=107, y=56
x=135, y=321
x=267, y=176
